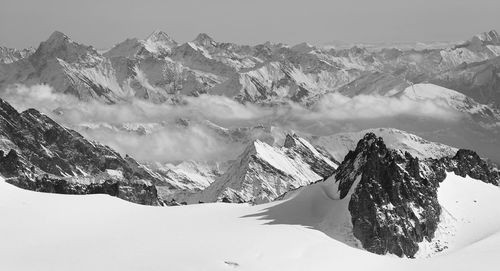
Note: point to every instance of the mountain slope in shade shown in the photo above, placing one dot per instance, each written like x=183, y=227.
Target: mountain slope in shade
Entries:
x=39, y=154
x=263, y=172
x=374, y=83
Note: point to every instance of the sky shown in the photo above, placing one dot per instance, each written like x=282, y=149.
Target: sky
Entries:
x=103, y=23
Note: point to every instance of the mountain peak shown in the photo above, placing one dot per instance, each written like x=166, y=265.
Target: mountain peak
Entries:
x=370, y=140
x=159, y=35
x=205, y=40
x=58, y=45
x=373, y=177
x=57, y=37
x=490, y=37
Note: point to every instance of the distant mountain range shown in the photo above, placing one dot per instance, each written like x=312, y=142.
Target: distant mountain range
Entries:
x=158, y=68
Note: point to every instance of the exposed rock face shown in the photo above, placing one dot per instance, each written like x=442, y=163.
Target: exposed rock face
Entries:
x=467, y=162
x=134, y=191
x=393, y=207
x=10, y=165
x=394, y=203
x=37, y=146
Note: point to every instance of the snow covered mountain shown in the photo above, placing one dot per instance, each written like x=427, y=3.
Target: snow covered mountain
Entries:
x=263, y=172
x=9, y=55
x=158, y=68
x=68, y=67
x=158, y=43
x=181, y=182
x=478, y=80
x=454, y=99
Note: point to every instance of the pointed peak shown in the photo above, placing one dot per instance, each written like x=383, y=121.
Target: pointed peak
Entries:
x=57, y=36
x=159, y=35
x=6, y=108
x=369, y=140
x=370, y=143
x=204, y=39
x=254, y=145
x=291, y=140
x=258, y=147
x=55, y=41
x=58, y=45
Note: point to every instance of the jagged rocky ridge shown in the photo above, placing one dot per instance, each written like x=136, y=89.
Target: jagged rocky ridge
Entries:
x=263, y=172
x=394, y=204
x=37, y=153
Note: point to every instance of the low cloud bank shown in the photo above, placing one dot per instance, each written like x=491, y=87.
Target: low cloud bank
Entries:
x=154, y=132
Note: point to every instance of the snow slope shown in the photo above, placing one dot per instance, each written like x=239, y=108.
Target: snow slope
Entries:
x=96, y=232
x=470, y=214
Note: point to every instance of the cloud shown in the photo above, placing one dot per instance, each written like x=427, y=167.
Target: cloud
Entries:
x=153, y=132
x=338, y=107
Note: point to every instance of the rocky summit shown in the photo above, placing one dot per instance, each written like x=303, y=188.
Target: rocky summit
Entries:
x=393, y=195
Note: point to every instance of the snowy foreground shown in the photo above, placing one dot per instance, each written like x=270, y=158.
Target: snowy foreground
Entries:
x=41, y=231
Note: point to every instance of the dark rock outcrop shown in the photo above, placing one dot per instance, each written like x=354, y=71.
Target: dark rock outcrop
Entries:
x=10, y=165
x=468, y=162
x=134, y=191
x=392, y=206
x=51, y=158
x=393, y=196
